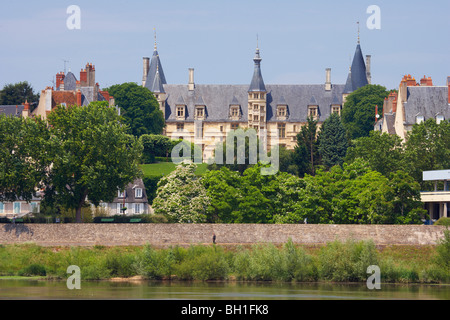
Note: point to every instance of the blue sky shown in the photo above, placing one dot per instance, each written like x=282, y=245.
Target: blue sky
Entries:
x=298, y=40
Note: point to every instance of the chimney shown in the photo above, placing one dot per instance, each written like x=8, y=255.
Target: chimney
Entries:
x=83, y=78
x=368, y=65
x=426, y=81
x=61, y=86
x=79, y=98
x=328, y=80
x=403, y=90
x=59, y=78
x=191, y=79
x=26, y=110
x=146, y=69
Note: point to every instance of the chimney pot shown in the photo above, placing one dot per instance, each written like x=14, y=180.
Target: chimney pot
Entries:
x=191, y=84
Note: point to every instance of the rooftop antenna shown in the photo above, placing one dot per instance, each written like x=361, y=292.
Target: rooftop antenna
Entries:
x=154, y=31
x=65, y=62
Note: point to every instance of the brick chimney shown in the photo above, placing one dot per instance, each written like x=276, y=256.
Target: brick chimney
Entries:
x=59, y=78
x=26, y=110
x=426, y=81
x=83, y=78
x=79, y=98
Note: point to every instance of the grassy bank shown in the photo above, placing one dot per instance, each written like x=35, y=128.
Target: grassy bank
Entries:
x=337, y=262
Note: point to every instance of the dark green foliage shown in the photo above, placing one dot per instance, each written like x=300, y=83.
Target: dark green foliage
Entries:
x=139, y=108
x=155, y=146
x=383, y=152
x=333, y=142
x=358, y=114
x=17, y=94
x=33, y=270
x=306, y=152
x=24, y=157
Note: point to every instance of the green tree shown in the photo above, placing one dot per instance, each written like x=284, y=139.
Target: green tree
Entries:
x=181, y=196
x=358, y=114
x=93, y=156
x=139, y=108
x=383, y=152
x=333, y=142
x=306, y=152
x=155, y=146
x=427, y=148
x=17, y=94
x=24, y=157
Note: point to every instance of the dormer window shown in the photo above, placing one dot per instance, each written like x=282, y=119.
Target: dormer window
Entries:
x=313, y=112
x=336, y=109
x=121, y=194
x=181, y=112
x=235, y=112
x=439, y=118
x=282, y=112
x=138, y=193
x=200, y=113
x=420, y=119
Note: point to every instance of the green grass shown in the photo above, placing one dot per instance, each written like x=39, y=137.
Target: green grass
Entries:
x=164, y=168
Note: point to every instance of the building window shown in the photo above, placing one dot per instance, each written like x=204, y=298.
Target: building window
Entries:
x=235, y=112
x=180, y=127
x=234, y=126
x=34, y=207
x=138, y=208
x=17, y=207
x=221, y=128
x=256, y=107
x=313, y=112
x=282, y=130
x=180, y=112
x=200, y=113
x=295, y=128
x=255, y=118
x=2, y=207
x=256, y=96
x=121, y=194
x=281, y=112
x=439, y=119
x=120, y=207
x=420, y=119
x=138, y=193
x=336, y=109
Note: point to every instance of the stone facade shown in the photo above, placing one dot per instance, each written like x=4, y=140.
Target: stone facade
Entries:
x=164, y=235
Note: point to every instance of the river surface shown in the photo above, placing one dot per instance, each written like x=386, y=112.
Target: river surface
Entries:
x=160, y=290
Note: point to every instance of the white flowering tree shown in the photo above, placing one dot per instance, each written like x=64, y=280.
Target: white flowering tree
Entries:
x=181, y=196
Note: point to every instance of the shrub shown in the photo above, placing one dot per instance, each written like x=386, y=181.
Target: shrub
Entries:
x=444, y=221
x=33, y=270
x=347, y=261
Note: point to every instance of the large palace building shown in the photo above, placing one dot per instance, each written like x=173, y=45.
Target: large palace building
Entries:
x=205, y=112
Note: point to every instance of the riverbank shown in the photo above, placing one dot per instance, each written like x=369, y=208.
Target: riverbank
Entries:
x=336, y=262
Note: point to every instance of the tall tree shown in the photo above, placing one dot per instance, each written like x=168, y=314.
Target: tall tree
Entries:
x=24, y=157
x=93, y=156
x=383, y=152
x=18, y=93
x=306, y=152
x=333, y=141
x=139, y=108
x=358, y=114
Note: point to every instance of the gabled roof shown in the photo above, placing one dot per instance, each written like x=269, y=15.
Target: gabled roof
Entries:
x=427, y=102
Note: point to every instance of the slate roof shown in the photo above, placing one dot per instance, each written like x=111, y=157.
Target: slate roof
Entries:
x=427, y=102
x=130, y=194
x=218, y=99
x=11, y=110
x=70, y=82
x=155, y=65
x=357, y=77
x=257, y=84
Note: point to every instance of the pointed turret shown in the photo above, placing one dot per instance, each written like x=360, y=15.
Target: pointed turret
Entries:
x=155, y=65
x=257, y=84
x=157, y=86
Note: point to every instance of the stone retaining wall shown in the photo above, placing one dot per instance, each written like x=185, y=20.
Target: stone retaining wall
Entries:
x=163, y=235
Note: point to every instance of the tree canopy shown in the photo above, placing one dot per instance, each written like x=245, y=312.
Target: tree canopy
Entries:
x=17, y=94
x=92, y=155
x=333, y=141
x=139, y=108
x=358, y=114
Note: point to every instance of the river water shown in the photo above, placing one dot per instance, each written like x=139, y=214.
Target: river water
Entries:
x=160, y=290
